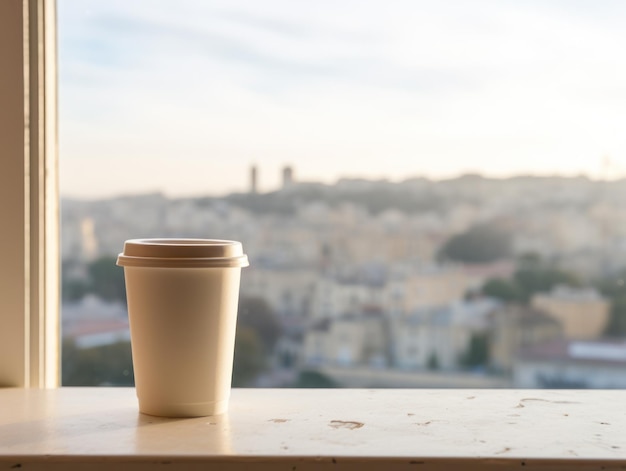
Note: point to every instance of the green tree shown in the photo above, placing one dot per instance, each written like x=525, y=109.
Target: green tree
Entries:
x=255, y=313
x=612, y=286
x=74, y=290
x=96, y=366
x=479, y=244
x=533, y=276
x=314, y=379
x=477, y=353
x=539, y=278
x=257, y=333
x=106, y=279
x=433, y=362
x=249, y=359
x=505, y=290
x=616, y=326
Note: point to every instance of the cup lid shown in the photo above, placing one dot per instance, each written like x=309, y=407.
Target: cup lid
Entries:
x=182, y=253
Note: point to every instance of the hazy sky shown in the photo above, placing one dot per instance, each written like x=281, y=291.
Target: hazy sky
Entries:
x=183, y=96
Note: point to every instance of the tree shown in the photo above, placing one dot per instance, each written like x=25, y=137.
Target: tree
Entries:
x=479, y=244
x=539, y=278
x=433, y=362
x=249, y=358
x=255, y=313
x=107, y=279
x=96, y=366
x=613, y=286
x=616, y=327
x=74, y=290
x=477, y=353
x=314, y=379
x=257, y=333
x=505, y=290
x=533, y=276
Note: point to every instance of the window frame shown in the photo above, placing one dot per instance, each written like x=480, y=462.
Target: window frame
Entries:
x=29, y=198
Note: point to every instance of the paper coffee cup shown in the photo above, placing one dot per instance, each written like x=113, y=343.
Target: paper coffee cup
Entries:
x=182, y=306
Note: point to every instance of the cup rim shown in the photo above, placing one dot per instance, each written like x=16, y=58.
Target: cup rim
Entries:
x=182, y=253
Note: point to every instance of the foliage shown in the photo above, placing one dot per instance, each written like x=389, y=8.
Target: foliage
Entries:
x=477, y=353
x=103, y=278
x=535, y=279
x=97, y=366
x=433, y=362
x=74, y=290
x=314, y=379
x=107, y=279
x=249, y=357
x=479, y=244
x=257, y=333
x=505, y=290
x=612, y=286
x=533, y=276
x=255, y=313
x=616, y=326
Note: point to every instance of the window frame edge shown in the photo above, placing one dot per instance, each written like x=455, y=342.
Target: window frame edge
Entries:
x=29, y=203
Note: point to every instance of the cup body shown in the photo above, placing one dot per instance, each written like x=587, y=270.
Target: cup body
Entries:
x=182, y=326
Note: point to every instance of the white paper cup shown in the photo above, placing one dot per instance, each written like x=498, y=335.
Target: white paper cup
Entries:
x=182, y=306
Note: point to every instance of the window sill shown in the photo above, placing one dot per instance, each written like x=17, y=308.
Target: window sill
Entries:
x=68, y=428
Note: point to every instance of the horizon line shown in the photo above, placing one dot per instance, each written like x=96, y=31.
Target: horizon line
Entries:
x=579, y=176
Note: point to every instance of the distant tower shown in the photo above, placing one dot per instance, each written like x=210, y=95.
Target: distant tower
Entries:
x=253, y=180
x=287, y=176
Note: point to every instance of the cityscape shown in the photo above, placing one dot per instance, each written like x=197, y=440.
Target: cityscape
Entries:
x=469, y=282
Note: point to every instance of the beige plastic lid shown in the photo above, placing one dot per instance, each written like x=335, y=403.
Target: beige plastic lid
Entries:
x=182, y=253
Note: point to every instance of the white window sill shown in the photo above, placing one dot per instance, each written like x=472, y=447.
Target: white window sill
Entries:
x=69, y=428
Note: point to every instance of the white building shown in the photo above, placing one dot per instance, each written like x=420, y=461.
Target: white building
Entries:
x=573, y=364
x=441, y=334
x=333, y=298
x=355, y=339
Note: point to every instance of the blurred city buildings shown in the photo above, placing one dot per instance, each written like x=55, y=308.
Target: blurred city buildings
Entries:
x=583, y=313
x=354, y=274
x=573, y=364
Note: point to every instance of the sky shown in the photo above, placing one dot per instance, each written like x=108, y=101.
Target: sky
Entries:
x=183, y=96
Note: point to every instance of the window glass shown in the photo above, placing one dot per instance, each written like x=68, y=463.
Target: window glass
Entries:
x=431, y=194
